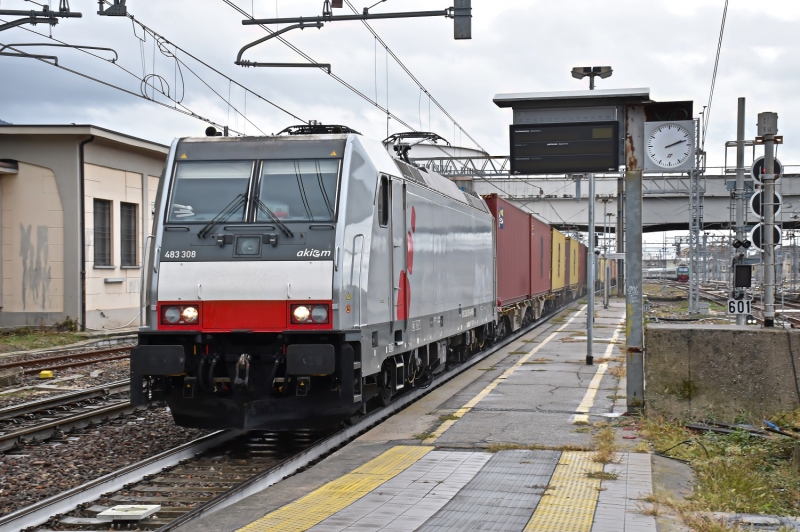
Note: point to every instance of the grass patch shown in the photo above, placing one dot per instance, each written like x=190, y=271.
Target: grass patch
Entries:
x=618, y=371
x=28, y=338
x=616, y=397
x=449, y=417
x=518, y=352
x=602, y=475
x=582, y=430
x=534, y=341
x=740, y=472
x=537, y=361
x=492, y=368
x=604, y=442
x=422, y=435
x=497, y=447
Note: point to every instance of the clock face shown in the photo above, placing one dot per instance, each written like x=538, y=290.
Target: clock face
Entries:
x=669, y=145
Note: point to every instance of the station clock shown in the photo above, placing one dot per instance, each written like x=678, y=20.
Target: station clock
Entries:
x=670, y=146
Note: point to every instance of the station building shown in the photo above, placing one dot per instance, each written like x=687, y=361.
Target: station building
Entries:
x=76, y=209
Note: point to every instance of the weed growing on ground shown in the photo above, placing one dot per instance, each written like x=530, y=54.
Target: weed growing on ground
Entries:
x=618, y=371
x=602, y=475
x=422, y=435
x=518, y=353
x=604, y=442
x=492, y=368
x=497, y=447
x=537, y=361
x=449, y=417
x=737, y=472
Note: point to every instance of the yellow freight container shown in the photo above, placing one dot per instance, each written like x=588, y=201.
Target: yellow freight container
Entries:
x=574, y=261
x=601, y=269
x=559, y=261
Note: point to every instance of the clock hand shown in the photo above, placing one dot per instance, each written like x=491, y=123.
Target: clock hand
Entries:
x=675, y=143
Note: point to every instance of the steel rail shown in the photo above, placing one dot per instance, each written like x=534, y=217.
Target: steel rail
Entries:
x=45, y=430
x=34, y=371
x=41, y=512
x=103, y=390
x=45, y=360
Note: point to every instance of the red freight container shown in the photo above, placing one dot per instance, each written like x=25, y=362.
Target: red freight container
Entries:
x=541, y=256
x=513, y=227
x=582, y=264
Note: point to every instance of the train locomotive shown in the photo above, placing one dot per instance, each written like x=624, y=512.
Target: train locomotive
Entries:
x=295, y=280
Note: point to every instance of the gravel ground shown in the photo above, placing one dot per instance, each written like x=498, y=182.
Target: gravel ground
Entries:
x=40, y=470
x=115, y=370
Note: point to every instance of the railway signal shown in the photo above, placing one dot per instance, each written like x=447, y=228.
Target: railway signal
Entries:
x=757, y=237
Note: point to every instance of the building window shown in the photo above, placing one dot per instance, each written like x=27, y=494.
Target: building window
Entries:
x=128, y=236
x=102, y=233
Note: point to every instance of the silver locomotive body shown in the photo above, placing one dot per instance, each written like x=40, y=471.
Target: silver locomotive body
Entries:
x=292, y=280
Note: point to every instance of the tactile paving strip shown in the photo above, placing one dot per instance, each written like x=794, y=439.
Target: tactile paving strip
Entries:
x=409, y=499
x=568, y=504
x=501, y=497
x=340, y=493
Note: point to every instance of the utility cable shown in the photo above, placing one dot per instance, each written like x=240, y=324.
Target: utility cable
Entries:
x=412, y=76
x=146, y=78
x=216, y=71
x=313, y=61
x=707, y=116
x=184, y=109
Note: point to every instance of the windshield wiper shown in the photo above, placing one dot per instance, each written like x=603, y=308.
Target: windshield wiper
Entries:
x=223, y=215
x=266, y=210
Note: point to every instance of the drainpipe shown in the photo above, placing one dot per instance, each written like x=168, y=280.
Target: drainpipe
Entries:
x=82, y=239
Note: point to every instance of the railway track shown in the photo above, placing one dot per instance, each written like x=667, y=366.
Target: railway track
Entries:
x=216, y=471
x=68, y=360
x=41, y=419
x=720, y=295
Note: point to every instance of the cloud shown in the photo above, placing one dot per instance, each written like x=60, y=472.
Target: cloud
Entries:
x=517, y=46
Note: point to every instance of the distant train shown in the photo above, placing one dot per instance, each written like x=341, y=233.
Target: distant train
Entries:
x=295, y=279
x=679, y=273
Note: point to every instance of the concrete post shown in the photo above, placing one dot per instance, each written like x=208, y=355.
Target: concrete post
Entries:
x=620, y=233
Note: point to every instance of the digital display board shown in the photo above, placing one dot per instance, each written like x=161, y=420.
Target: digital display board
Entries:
x=564, y=148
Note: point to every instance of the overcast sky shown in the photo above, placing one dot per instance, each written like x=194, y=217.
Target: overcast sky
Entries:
x=517, y=46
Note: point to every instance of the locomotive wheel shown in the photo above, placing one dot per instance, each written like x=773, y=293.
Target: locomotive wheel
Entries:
x=502, y=329
x=385, y=392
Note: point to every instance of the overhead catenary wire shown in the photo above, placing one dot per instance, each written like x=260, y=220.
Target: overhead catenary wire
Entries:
x=331, y=74
x=707, y=116
x=183, y=109
x=162, y=42
x=412, y=76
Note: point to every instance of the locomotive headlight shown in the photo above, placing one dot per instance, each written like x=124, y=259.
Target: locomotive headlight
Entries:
x=300, y=314
x=190, y=315
x=172, y=315
x=320, y=314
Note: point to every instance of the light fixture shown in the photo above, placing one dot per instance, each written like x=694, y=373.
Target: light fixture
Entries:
x=602, y=72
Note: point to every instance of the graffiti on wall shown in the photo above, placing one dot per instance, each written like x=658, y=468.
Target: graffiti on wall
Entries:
x=35, y=266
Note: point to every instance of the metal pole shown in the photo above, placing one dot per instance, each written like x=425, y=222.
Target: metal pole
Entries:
x=620, y=234
x=633, y=300
x=606, y=277
x=590, y=277
x=741, y=319
x=768, y=126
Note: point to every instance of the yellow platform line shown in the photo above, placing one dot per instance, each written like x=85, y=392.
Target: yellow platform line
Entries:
x=588, y=399
x=495, y=383
x=336, y=495
x=569, y=502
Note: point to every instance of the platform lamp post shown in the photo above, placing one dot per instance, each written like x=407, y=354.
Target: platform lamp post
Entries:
x=602, y=72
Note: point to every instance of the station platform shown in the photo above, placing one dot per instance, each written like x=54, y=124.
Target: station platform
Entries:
x=505, y=446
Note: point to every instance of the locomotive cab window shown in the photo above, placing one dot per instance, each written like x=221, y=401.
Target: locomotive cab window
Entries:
x=298, y=191
x=383, y=202
x=204, y=189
